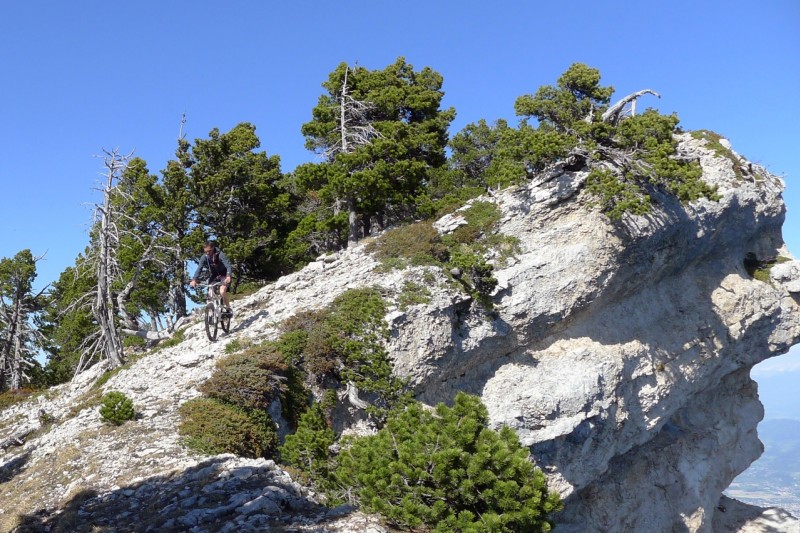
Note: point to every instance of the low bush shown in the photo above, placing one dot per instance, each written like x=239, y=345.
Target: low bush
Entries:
x=251, y=379
x=415, y=244
x=307, y=448
x=116, y=408
x=176, y=339
x=445, y=471
x=210, y=426
x=11, y=397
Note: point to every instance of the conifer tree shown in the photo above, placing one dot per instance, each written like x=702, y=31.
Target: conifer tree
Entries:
x=377, y=181
x=448, y=471
x=19, y=306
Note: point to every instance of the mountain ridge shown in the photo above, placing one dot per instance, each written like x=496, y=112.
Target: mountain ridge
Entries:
x=619, y=353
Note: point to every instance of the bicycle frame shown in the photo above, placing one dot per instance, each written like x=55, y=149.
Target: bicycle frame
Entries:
x=213, y=316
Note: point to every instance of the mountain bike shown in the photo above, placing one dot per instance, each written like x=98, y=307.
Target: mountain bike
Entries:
x=214, y=313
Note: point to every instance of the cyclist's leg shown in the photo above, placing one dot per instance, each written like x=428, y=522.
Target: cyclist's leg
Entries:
x=223, y=290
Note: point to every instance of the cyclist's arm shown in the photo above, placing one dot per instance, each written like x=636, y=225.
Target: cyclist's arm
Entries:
x=225, y=261
x=199, y=269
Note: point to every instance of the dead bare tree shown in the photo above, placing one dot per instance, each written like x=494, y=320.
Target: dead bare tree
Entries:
x=355, y=129
x=613, y=114
x=114, y=226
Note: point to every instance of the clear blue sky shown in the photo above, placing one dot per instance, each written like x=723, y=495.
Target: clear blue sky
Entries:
x=78, y=77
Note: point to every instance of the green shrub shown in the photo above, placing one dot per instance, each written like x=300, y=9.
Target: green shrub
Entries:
x=447, y=471
x=176, y=339
x=233, y=346
x=760, y=269
x=212, y=427
x=616, y=196
x=415, y=244
x=133, y=341
x=713, y=142
x=345, y=342
x=413, y=294
x=251, y=379
x=116, y=408
x=11, y=397
x=307, y=449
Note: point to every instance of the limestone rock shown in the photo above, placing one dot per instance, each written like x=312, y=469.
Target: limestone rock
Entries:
x=620, y=353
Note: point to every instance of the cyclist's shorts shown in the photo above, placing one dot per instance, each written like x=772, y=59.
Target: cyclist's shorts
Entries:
x=221, y=279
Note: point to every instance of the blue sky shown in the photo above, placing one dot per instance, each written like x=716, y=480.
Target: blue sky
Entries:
x=81, y=76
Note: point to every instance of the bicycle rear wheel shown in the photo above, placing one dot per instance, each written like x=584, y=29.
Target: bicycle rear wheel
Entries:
x=211, y=322
x=225, y=322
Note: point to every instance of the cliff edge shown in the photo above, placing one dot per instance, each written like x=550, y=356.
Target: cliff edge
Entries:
x=620, y=352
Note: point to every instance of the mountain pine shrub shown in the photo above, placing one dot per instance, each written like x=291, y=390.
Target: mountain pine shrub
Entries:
x=447, y=471
x=251, y=379
x=307, y=448
x=211, y=426
x=116, y=408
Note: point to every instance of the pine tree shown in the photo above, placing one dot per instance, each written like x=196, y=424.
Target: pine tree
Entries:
x=447, y=470
x=376, y=181
x=19, y=306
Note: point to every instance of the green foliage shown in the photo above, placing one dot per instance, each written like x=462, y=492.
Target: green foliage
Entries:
x=413, y=294
x=481, y=218
x=415, y=244
x=447, y=471
x=251, y=379
x=177, y=338
x=578, y=95
x=357, y=318
x=307, y=448
x=476, y=268
x=116, y=408
x=13, y=397
x=65, y=324
x=465, y=248
x=626, y=159
x=210, y=426
x=233, y=346
x=19, y=308
x=713, y=142
x=251, y=217
x=523, y=153
x=345, y=343
x=760, y=269
x=134, y=342
x=365, y=177
x=615, y=195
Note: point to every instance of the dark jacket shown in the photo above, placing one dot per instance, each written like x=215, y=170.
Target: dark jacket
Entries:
x=217, y=265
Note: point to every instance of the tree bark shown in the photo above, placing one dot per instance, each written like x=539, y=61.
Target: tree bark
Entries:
x=612, y=114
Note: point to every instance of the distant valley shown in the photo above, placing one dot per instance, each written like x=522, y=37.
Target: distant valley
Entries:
x=774, y=479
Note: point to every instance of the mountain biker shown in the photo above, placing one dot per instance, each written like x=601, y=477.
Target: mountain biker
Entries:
x=219, y=269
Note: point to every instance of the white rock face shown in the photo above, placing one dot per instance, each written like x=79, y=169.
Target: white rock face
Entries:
x=620, y=353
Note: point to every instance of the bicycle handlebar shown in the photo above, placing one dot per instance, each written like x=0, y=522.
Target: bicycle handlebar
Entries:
x=207, y=285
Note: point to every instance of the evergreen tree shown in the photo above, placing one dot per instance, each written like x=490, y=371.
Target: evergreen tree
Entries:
x=377, y=181
x=67, y=322
x=448, y=471
x=571, y=126
x=238, y=197
x=19, y=339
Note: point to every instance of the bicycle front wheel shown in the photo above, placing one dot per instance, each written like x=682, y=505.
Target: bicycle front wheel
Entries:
x=211, y=322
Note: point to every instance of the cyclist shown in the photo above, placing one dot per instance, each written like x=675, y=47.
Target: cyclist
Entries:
x=219, y=269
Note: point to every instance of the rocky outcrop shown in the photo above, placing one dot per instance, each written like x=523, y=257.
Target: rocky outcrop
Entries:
x=620, y=353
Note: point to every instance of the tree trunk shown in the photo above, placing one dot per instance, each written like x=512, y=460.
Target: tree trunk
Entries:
x=352, y=226
x=103, y=308
x=613, y=113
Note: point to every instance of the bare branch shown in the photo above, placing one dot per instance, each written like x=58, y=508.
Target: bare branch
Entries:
x=613, y=113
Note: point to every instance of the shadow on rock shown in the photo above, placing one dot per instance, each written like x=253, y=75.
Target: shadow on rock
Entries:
x=222, y=494
x=12, y=468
